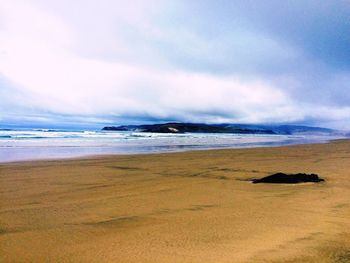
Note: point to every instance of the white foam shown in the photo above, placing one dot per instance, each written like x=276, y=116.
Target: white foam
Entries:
x=20, y=144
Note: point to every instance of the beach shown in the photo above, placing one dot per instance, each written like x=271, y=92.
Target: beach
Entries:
x=195, y=206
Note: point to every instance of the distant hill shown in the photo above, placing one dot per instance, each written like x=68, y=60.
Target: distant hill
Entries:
x=174, y=127
x=285, y=129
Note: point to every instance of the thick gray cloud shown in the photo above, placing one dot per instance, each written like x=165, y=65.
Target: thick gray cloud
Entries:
x=212, y=61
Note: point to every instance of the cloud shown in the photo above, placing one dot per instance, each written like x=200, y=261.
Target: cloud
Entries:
x=143, y=60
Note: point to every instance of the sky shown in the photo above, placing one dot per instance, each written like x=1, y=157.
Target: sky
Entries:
x=109, y=62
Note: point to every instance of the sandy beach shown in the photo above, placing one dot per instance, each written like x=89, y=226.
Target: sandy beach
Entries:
x=178, y=207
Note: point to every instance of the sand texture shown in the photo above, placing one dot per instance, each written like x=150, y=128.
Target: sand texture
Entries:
x=178, y=207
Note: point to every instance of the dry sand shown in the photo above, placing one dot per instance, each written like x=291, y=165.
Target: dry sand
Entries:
x=178, y=207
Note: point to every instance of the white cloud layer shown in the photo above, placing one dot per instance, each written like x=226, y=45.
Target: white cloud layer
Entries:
x=87, y=64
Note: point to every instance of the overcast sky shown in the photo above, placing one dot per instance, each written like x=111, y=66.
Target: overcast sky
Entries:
x=102, y=62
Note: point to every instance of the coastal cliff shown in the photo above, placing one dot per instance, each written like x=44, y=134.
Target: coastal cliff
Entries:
x=174, y=127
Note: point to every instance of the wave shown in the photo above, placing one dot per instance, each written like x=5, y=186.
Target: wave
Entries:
x=93, y=138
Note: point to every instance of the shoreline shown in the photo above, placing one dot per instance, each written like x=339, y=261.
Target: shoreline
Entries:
x=181, y=207
x=94, y=156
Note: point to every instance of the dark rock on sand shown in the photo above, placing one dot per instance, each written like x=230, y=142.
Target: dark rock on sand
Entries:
x=282, y=178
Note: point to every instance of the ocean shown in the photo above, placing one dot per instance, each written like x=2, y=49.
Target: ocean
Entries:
x=34, y=144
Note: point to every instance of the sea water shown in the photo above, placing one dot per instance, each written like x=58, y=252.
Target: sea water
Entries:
x=33, y=144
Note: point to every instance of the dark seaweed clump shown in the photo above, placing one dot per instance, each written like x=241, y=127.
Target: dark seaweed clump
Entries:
x=282, y=178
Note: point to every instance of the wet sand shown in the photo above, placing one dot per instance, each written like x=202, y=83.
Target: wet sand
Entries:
x=178, y=207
